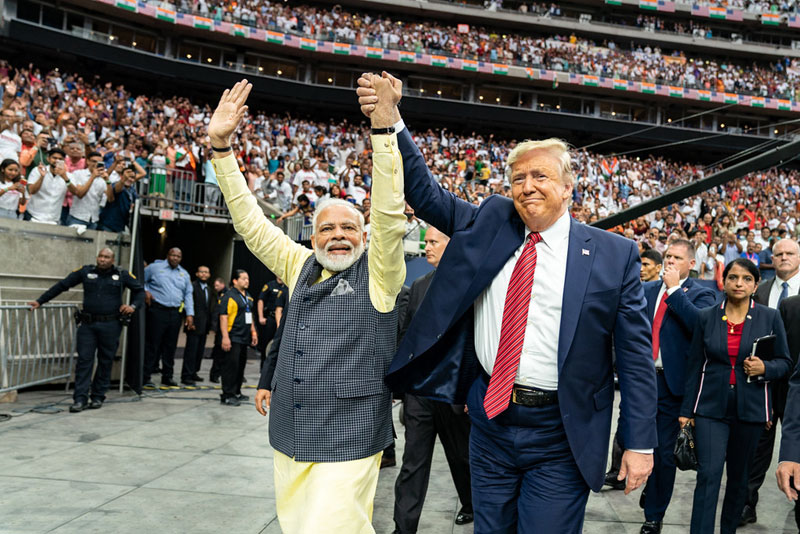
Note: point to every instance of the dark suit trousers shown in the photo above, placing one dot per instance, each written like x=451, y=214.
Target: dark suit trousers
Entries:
x=658, y=491
x=720, y=443
x=265, y=334
x=193, y=355
x=424, y=420
x=763, y=455
x=233, y=363
x=524, y=477
x=101, y=338
x=163, y=327
x=217, y=357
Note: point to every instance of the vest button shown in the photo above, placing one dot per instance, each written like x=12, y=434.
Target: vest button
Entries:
x=302, y=326
x=297, y=406
x=299, y=353
x=306, y=299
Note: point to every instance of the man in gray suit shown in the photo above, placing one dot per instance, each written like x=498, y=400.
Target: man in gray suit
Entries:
x=330, y=411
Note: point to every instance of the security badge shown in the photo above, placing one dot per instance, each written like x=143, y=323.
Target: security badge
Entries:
x=91, y=276
x=115, y=277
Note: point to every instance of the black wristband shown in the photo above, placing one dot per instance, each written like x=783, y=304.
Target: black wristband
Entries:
x=383, y=131
x=215, y=149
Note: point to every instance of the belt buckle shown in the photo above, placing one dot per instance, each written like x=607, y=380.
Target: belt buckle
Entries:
x=514, y=395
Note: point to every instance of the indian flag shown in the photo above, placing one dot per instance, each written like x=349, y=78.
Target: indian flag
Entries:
x=648, y=4
x=675, y=91
x=374, y=53
x=165, y=14
x=202, y=23
x=591, y=81
x=308, y=44
x=704, y=95
x=468, y=64
x=407, y=57
x=237, y=30
x=614, y=2
x=274, y=37
x=126, y=4
x=756, y=102
x=770, y=19
x=648, y=88
x=341, y=49
x=497, y=68
x=784, y=105
x=730, y=98
x=438, y=61
x=717, y=12
x=622, y=85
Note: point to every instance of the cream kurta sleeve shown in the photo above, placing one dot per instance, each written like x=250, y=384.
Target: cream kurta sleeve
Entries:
x=275, y=249
x=387, y=266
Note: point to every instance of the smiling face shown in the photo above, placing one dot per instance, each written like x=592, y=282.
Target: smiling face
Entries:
x=339, y=238
x=540, y=194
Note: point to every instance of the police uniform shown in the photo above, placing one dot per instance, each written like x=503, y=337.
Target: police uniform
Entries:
x=239, y=309
x=273, y=295
x=99, y=324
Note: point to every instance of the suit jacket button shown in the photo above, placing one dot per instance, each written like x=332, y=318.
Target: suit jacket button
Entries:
x=411, y=356
x=439, y=336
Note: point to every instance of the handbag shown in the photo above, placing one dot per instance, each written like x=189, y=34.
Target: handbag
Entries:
x=685, y=450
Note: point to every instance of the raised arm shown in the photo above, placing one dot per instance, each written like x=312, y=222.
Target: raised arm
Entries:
x=278, y=252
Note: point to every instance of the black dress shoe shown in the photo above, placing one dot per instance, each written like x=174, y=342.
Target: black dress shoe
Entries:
x=213, y=379
x=168, y=382
x=188, y=383
x=462, y=518
x=612, y=482
x=78, y=407
x=388, y=461
x=642, y=498
x=651, y=527
x=95, y=404
x=748, y=515
x=242, y=398
x=230, y=401
x=197, y=378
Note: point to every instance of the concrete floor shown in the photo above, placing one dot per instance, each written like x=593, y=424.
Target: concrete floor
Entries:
x=177, y=462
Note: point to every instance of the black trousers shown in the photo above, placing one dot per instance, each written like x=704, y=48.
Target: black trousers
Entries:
x=424, y=420
x=217, y=355
x=163, y=327
x=101, y=338
x=722, y=443
x=233, y=363
x=193, y=355
x=265, y=334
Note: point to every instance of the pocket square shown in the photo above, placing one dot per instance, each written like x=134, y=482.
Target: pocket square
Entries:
x=342, y=288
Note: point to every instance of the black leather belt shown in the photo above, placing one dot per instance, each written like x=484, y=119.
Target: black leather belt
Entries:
x=161, y=306
x=89, y=318
x=527, y=396
x=659, y=370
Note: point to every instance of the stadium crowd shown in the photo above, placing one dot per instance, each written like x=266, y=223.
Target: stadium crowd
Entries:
x=73, y=151
x=568, y=53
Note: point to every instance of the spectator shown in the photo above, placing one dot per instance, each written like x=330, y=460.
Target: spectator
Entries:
x=47, y=186
x=12, y=190
x=10, y=142
x=90, y=187
x=116, y=213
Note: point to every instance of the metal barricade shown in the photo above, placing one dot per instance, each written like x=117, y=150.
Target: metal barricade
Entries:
x=35, y=347
x=168, y=188
x=299, y=228
x=209, y=201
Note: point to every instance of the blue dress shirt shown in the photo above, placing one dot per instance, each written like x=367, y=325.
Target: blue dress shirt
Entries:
x=169, y=286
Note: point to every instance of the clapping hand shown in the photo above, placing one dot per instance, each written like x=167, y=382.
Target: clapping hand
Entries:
x=229, y=113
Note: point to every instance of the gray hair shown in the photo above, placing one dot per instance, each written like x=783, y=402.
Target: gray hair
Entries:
x=556, y=147
x=329, y=202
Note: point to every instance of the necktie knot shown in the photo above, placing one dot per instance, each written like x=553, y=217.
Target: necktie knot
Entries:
x=785, y=285
x=535, y=237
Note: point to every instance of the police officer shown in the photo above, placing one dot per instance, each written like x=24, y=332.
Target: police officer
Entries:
x=99, y=322
x=271, y=303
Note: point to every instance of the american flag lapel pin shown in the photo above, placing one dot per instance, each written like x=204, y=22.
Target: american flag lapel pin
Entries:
x=584, y=252
x=685, y=289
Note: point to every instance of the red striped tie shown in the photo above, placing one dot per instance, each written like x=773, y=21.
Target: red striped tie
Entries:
x=512, y=331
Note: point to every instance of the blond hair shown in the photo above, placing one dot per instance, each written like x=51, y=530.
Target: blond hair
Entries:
x=557, y=147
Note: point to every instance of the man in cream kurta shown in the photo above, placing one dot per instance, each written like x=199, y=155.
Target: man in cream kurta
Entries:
x=323, y=495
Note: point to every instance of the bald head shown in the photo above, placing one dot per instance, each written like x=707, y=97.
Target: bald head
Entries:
x=105, y=258
x=786, y=258
x=174, y=257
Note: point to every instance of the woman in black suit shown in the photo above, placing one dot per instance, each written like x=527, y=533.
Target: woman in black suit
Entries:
x=728, y=397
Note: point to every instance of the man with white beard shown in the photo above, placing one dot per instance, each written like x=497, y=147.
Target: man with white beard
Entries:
x=330, y=411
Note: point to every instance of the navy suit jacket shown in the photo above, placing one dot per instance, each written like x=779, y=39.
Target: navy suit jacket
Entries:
x=675, y=338
x=603, y=300
x=709, y=370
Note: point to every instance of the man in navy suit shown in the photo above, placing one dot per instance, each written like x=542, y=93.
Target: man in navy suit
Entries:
x=673, y=303
x=533, y=358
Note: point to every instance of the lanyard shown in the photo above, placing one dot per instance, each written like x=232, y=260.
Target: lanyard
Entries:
x=246, y=302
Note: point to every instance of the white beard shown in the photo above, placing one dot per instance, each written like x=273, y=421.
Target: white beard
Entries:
x=338, y=263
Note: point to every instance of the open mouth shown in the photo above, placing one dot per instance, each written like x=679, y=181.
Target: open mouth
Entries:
x=338, y=249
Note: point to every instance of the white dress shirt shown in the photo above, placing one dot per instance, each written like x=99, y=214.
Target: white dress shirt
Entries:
x=777, y=286
x=669, y=292
x=45, y=205
x=88, y=208
x=538, y=365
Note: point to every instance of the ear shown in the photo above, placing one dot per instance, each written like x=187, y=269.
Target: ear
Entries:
x=313, y=242
x=364, y=239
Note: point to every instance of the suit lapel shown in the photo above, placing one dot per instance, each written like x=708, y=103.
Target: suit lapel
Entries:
x=746, y=344
x=651, y=296
x=580, y=256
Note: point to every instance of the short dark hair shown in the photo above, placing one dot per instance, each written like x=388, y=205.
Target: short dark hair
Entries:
x=237, y=273
x=745, y=264
x=653, y=255
x=220, y=279
x=684, y=243
x=56, y=150
x=94, y=154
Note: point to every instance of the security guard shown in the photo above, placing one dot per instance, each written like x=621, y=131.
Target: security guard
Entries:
x=100, y=323
x=271, y=303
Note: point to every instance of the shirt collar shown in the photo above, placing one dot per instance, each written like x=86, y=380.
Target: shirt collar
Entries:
x=558, y=231
x=680, y=284
x=793, y=281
